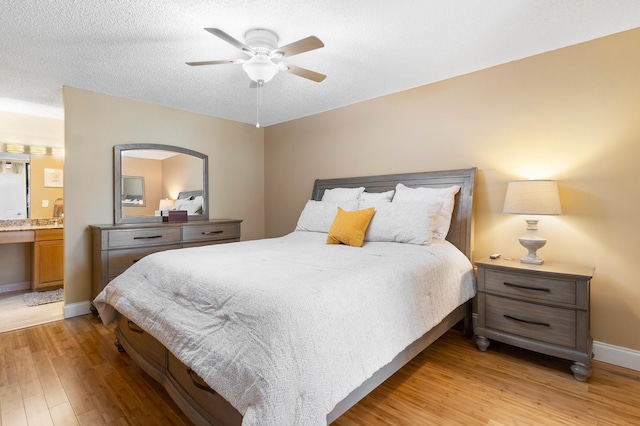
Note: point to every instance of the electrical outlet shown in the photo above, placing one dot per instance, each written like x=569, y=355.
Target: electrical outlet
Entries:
x=45, y=203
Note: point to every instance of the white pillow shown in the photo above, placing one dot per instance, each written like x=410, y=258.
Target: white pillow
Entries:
x=318, y=216
x=374, y=199
x=191, y=206
x=403, y=223
x=342, y=194
x=442, y=197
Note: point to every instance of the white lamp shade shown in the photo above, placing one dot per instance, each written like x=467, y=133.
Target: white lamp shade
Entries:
x=260, y=68
x=165, y=202
x=535, y=197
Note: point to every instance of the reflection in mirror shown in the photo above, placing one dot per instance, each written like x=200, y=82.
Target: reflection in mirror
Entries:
x=133, y=191
x=14, y=186
x=166, y=177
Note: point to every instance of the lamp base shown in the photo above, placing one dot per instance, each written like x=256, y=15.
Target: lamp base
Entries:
x=532, y=242
x=532, y=260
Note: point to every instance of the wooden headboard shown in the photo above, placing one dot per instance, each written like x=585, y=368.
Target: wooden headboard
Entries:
x=461, y=230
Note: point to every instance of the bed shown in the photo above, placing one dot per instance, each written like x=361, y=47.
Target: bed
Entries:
x=191, y=201
x=320, y=334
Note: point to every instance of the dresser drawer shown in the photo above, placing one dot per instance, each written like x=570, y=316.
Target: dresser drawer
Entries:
x=120, y=260
x=531, y=287
x=142, y=237
x=144, y=343
x=210, y=232
x=544, y=323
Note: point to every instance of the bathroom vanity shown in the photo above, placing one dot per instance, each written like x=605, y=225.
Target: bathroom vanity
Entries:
x=47, y=254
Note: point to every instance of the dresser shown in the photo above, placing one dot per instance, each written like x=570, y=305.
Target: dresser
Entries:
x=116, y=247
x=543, y=308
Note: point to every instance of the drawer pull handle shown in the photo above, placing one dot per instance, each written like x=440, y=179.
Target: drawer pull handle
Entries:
x=211, y=232
x=147, y=238
x=133, y=327
x=198, y=382
x=527, y=321
x=527, y=287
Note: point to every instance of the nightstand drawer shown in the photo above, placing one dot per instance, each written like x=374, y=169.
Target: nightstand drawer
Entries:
x=543, y=323
x=531, y=287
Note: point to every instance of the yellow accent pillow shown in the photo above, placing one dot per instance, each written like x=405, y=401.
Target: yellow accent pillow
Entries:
x=349, y=227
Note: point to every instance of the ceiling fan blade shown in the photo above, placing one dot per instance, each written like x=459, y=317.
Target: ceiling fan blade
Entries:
x=226, y=61
x=226, y=37
x=300, y=46
x=305, y=73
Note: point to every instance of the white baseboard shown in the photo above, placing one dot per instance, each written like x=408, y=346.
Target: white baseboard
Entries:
x=616, y=355
x=8, y=288
x=76, y=309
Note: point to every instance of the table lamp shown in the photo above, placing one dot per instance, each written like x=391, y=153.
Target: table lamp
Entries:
x=165, y=202
x=532, y=197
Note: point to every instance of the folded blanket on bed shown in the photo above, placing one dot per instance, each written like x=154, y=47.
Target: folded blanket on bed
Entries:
x=285, y=328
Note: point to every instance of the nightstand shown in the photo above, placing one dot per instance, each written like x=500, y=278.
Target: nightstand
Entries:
x=543, y=308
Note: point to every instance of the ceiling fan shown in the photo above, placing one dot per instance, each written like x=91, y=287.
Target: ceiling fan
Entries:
x=265, y=57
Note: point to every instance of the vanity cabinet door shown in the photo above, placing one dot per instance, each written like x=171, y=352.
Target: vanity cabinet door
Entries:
x=48, y=260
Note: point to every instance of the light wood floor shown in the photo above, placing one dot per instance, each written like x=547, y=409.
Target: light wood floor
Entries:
x=15, y=314
x=70, y=373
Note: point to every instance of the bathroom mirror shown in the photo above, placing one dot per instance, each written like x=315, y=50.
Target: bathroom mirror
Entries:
x=150, y=178
x=14, y=186
x=25, y=190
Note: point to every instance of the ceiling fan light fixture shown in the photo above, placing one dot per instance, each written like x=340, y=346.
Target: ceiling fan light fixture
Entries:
x=260, y=68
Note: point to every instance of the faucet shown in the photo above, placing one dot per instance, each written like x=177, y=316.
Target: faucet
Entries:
x=58, y=209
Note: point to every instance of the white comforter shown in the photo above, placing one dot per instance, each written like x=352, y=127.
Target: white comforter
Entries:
x=285, y=328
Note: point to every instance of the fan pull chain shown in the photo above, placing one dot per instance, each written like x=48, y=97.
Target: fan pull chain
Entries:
x=258, y=103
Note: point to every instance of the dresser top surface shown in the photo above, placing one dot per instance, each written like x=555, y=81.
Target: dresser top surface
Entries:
x=108, y=227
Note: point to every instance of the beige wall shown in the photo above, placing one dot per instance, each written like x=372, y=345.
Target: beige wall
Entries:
x=189, y=177
x=570, y=115
x=94, y=123
x=25, y=129
x=39, y=192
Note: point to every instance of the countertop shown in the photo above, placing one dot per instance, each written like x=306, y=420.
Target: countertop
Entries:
x=30, y=224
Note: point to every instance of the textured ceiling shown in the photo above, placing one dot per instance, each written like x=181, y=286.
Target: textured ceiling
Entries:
x=137, y=49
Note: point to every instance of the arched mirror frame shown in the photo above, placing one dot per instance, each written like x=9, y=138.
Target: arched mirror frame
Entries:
x=117, y=181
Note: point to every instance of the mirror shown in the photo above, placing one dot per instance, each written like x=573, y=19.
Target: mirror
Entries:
x=31, y=184
x=14, y=186
x=150, y=178
x=133, y=191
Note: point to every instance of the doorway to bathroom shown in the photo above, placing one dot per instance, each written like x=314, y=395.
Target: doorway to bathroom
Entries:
x=31, y=217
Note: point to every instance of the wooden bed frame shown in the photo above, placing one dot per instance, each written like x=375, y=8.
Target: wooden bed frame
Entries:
x=205, y=407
